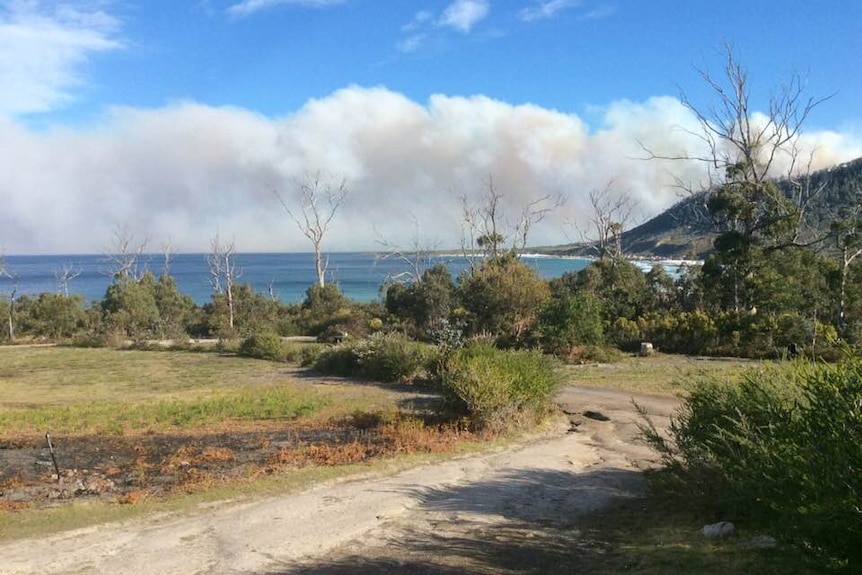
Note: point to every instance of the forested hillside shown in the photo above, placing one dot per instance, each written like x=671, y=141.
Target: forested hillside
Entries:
x=686, y=230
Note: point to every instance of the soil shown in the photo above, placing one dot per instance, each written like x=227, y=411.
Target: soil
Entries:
x=147, y=466
x=517, y=510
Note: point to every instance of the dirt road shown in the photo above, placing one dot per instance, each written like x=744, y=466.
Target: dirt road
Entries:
x=514, y=510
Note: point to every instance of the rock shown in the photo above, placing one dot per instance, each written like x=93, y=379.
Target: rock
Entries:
x=597, y=415
x=646, y=349
x=719, y=530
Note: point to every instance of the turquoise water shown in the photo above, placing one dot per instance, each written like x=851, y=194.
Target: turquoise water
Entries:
x=359, y=275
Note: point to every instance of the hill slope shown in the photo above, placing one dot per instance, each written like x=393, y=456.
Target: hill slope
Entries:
x=685, y=230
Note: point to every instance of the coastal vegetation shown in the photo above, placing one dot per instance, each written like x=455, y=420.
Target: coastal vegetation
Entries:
x=776, y=448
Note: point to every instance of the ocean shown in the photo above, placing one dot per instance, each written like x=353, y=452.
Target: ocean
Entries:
x=359, y=275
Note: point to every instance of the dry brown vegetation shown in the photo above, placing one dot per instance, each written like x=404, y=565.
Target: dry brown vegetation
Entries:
x=133, y=427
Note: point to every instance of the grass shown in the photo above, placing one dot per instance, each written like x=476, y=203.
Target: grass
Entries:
x=272, y=403
x=654, y=536
x=62, y=376
x=98, y=391
x=658, y=374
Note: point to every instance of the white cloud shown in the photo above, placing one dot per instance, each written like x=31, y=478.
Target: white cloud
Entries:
x=248, y=7
x=463, y=15
x=411, y=43
x=426, y=28
x=188, y=170
x=420, y=19
x=545, y=9
x=600, y=12
x=44, y=47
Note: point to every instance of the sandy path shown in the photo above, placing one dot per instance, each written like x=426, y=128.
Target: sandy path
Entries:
x=522, y=488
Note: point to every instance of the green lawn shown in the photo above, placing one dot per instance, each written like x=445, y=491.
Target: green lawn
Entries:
x=658, y=374
x=70, y=390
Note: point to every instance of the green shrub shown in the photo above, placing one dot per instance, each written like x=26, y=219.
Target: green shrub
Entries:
x=93, y=340
x=496, y=389
x=625, y=334
x=382, y=357
x=570, y=321
x=340, y=360
x=308, y=355
x=265, y=345
x=828, y=474
x=390, y=358
x=782, y=450
x=682, y=332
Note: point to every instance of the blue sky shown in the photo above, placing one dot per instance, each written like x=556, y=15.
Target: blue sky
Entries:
x=173, y=117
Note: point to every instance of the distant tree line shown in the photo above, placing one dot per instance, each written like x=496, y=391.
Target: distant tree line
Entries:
x=788, y=297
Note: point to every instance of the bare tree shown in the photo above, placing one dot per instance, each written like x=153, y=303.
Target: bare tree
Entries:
x=64, y=276
x=223, y=271
x=484, y=222
x=10, y=311
x=848, y=240
x=610, y=215
x=531, y=214
x=319, y=201
x=416, y=257
x=168, y=253
x=742, y=150
x=124, y=255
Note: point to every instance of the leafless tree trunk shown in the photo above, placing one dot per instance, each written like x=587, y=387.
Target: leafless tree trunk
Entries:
x=416, y=257
x=319, y=201
x=742, y=150
x=848, y=241
x=10, y=315
x=64, y=276
x=481, y=230
x=223, y=271
x=168, y=252
x=124, y=255
x=611, y=213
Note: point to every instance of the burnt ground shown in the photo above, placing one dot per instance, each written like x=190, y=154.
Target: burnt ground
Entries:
x=524, y=508
x=126, y=469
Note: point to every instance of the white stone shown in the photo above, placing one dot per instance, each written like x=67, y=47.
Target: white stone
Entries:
x=719, y=530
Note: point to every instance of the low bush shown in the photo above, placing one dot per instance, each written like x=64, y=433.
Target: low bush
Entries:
x=391, y=357
x=496, y=389
x=782, y=451
x=382, y=357
x=265, y=345
x=340, y=360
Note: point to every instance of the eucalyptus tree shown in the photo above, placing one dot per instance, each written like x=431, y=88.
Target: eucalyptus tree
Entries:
x=224, y=273
x=10, y=300
x=487, y=232
x=746, y=153
x=319, y=200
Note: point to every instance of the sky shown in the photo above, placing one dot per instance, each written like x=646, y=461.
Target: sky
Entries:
x=176, y=121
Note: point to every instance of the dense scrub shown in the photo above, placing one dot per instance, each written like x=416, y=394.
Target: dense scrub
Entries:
x=792, y=302
x=498, y=389
x=780, y=451
x=382, y=357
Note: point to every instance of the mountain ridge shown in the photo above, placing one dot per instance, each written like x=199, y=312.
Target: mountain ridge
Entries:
x=686, y=229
